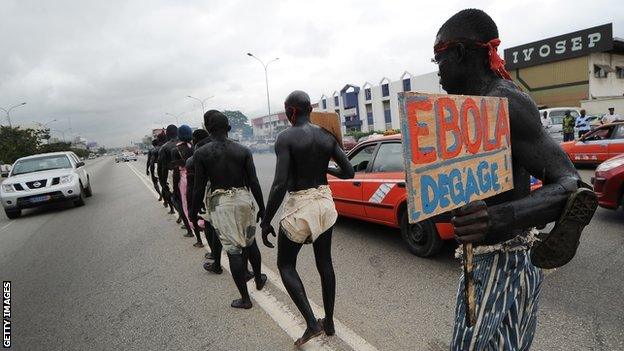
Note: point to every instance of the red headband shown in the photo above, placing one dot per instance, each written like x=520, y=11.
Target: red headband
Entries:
x=497, y=64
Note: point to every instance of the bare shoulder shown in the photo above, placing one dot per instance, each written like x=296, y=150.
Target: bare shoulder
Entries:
x=516, y=97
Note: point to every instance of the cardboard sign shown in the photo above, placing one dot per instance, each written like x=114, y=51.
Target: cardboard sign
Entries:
x=457, y=149
x=329, y=121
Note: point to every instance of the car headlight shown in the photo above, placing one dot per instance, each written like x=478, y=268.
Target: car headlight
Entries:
x=609, y=165
x=66, y=178
x=8, y=188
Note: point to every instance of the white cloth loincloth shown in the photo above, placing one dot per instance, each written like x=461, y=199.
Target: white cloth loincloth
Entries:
x=233, y=215
x=308, y=213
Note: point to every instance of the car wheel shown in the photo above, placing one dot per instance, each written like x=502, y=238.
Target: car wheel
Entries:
x=13, y=214
x=88, y=192
x=422, y=238
x=81, y=199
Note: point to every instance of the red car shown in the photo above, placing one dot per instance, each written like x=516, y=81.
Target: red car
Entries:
x=377, y=194
x=608, y=183
x=598, y=145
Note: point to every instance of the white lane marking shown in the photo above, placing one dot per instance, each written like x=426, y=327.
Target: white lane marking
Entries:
x=6, y=226
x=277, y=310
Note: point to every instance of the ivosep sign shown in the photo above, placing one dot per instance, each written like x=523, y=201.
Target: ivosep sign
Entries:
x=582, y=42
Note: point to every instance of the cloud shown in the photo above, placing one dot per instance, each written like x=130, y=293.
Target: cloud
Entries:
x=115, y=68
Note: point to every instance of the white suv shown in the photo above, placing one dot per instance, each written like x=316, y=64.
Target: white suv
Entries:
x=45, y=178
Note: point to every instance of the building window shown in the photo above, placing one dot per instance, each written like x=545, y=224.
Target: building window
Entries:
x=367, y=94
x=324, y=104
x=336, y=100
x=369, y=115
x=385, y=90
x=407, y=84
x=387, y=114
x=601, y=71
x=619, y=72
x=337, y=112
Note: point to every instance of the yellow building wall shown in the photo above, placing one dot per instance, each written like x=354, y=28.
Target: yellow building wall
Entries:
x=556, y=84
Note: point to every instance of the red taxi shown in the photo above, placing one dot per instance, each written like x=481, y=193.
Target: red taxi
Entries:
x=377, y=194
x=608, y=183
x=598, y=145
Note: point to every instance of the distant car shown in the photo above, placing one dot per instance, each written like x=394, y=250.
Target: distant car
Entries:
x=42, y=179
x=91, y=157
x=556, y=114
x=608, y=182
x=598, y=145
x=378, y=194
x=348, y=142
x=129, y=156
x=119, y=158
x=5, y=169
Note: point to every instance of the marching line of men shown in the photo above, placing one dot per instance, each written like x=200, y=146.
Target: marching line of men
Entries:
x=220, y=173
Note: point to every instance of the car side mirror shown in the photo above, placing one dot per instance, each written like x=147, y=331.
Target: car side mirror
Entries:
x=80, y=164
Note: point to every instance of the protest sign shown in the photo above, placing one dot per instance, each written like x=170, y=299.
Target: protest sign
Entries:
x=328, y=121
x=457, y=149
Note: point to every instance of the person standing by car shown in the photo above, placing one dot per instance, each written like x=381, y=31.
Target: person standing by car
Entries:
x=582, y=123
x=610, y=117
x=568, y=126
x=546, y=123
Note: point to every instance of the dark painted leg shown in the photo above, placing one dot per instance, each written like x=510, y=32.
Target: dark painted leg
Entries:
x=325, y=267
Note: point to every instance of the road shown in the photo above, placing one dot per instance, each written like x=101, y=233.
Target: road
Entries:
x=117, y=274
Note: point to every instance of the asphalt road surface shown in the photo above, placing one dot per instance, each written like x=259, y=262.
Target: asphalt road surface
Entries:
x=117, y=274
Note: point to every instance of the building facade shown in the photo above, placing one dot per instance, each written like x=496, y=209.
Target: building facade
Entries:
x=267, y=127
x=375, y=107
x=567, y=69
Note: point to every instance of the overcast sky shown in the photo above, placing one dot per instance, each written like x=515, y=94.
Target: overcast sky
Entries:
x=115, y=68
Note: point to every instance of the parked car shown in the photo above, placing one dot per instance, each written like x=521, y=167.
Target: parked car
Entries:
x=348, y=142
x=42, y=179
x=598, y=145
x=556, y=115
x=608, y=183
x=377, y=194
x=5, y=169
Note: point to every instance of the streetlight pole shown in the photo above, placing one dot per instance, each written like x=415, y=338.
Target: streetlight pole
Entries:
x=202, y=103
x=44, y=126
x=266, y=79
x=8, y=112
x=60, y=131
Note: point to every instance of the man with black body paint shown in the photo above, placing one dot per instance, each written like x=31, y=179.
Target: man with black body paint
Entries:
x=152, y=157
x=500, y=227
x=303, y=154
x=163, y=162
x=231, y=171
x=197, y=200
x=179, y=155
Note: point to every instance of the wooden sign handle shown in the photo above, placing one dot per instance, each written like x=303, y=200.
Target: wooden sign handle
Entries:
x=469, y=293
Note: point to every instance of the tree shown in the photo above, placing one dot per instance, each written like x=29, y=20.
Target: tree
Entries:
x=54, y=147
x=239, y=122
x=101, y=150
x=17, y=142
